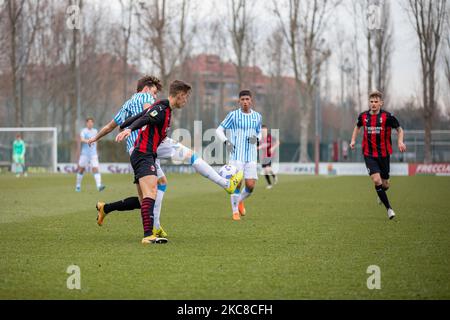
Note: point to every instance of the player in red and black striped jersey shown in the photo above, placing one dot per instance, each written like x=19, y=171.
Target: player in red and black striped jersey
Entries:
x=153, y=124
x=268, y=146
x=377, y=144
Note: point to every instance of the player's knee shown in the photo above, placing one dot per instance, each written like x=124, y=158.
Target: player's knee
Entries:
x=377, y=181
x=162, y=181
x=249, y=187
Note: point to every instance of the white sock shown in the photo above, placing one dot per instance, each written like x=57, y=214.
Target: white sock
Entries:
x=235, y=202
x=98, y=179
x=79, y=178
x=208, y=172
x=244, y=195
x=158, y=205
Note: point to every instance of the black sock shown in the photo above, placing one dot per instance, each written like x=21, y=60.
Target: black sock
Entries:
x=383, y=196
x=274, y=176
x=127, y=204
x=268, y=179
x=385, y=188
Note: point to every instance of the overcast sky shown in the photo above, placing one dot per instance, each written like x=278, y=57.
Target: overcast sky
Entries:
x=405, y=81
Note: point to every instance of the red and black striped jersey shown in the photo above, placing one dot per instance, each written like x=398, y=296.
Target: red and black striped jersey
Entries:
x=377, y=133
x=267, y=146
x=154, y=123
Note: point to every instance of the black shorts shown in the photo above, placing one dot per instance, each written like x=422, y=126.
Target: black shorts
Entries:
x=265, y=165
x=378, y=165
x=143, y=165
x=266, y=162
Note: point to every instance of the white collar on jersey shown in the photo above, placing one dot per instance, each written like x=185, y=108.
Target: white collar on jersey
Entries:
x=251, y=111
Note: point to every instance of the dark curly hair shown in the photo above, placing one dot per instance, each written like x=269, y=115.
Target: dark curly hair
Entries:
x=148, y=81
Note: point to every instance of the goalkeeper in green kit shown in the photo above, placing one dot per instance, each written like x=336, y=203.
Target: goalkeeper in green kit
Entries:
x=19, y=155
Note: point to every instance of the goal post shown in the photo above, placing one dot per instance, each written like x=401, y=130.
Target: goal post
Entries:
x=41, y=146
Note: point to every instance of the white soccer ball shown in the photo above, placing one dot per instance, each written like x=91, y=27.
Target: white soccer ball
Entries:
x=227, y=171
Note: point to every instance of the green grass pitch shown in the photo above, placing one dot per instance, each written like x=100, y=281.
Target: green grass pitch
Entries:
x=307, y=238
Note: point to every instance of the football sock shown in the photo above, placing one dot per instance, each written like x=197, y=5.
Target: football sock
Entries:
x=235, y=200
x=79, y=178
x=385, y=188
x=208, y=172
x=245, y=194
x=127, y=204
x=147, y=216
x=383, y=196
x=268, y=179
x=158, y=205
x=98, y=179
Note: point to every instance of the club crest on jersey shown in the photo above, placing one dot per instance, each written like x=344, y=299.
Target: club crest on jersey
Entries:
x=154, y=113
x=152, y=168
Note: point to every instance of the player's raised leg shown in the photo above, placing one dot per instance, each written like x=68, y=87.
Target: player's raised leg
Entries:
x=128, y=204
x=170, y=149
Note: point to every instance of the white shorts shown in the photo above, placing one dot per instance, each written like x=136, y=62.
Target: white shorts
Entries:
x=86, y=161
x=171, y=149
x=249, y=168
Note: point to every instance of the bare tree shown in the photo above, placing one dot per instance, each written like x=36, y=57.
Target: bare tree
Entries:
x=428, y=18
x=276, y=60
x=168, y=33
x=128, y=10
x=218, y=43
x=356, y=54
x=447, y=52
x=74, y=93
x=22, y=33
x=303, y=25
x=166, y=29
x=383, y=43
x=241, y=27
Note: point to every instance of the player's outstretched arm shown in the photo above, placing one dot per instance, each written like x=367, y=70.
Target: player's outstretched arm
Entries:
x=129, y=121
x=354, y=135
x=103, y=132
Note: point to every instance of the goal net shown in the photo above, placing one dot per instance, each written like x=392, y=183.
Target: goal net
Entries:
x=41, y=148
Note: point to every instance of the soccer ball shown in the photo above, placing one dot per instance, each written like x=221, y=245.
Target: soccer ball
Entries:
x=227, y=171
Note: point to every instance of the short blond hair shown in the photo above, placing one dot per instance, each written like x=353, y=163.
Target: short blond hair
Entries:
x=376, y=94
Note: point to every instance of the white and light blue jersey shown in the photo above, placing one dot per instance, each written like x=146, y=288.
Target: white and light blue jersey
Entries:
x=243, y=126
x=130, y=108
x=85, y=149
